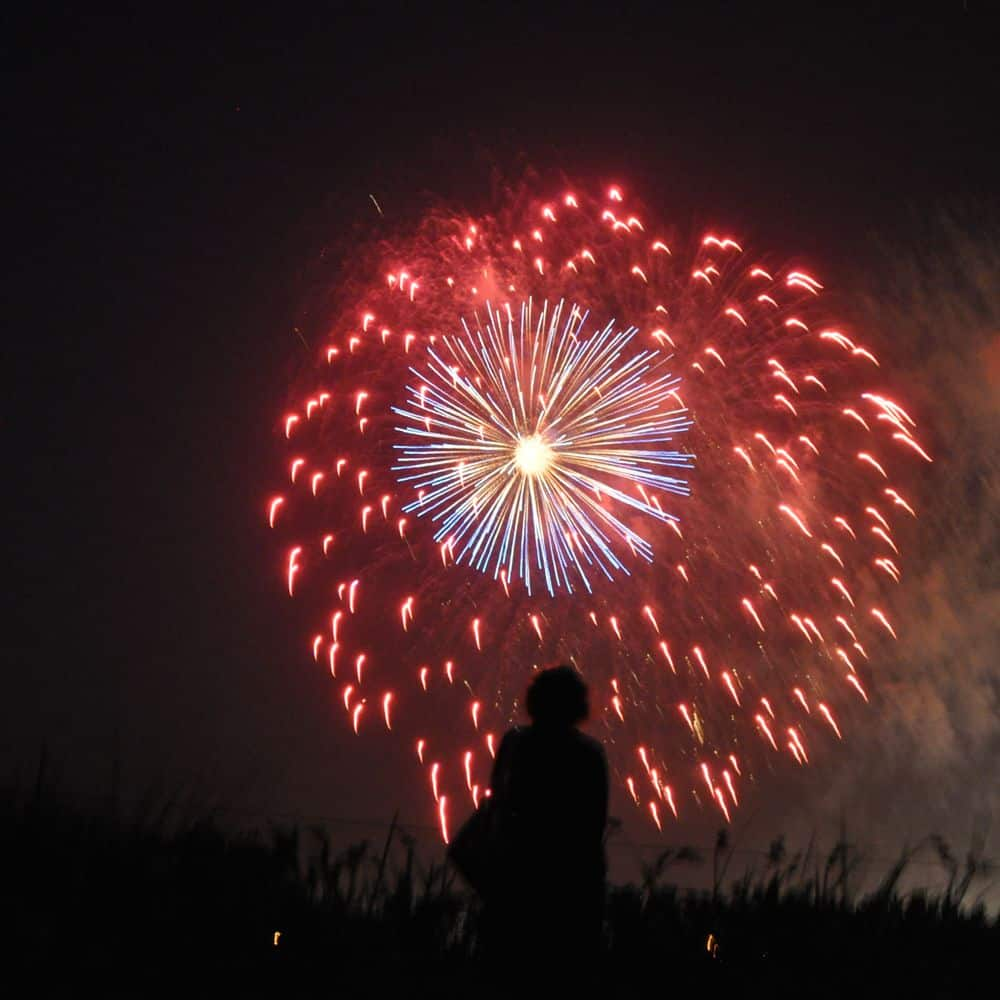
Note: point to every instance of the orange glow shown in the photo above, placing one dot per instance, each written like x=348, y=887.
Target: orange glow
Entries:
x=272, y=509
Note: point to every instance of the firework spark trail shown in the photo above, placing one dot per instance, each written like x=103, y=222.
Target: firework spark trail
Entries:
x=485, y=457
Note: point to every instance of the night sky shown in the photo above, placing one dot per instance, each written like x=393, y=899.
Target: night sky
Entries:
x=170, y=180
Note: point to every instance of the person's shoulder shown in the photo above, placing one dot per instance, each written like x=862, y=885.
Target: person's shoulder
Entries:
x=511, y=738
x=593, y=747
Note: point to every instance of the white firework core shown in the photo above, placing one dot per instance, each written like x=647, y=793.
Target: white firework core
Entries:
x=533, y=456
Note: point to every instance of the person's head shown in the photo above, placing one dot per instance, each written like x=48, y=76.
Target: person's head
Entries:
x=558, y=696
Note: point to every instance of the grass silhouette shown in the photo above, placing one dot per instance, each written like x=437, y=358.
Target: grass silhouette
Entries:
x=166, y=897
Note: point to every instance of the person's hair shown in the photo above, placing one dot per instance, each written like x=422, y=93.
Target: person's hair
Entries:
x=558, y=696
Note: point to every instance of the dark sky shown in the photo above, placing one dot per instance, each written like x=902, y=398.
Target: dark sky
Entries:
x=168, y=179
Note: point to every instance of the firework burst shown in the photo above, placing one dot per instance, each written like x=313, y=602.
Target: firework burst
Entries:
x=496, y=470
x=528, y=433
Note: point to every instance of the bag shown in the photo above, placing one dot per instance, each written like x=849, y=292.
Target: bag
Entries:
x=474, y=850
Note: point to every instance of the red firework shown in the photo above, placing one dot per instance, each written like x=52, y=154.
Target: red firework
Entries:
x=753, y=625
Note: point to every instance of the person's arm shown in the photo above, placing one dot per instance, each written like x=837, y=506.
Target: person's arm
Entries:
x=597, y=785
x=500, y=778
x=605, y=781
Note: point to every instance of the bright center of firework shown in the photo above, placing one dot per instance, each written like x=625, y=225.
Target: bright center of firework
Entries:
x=542, y=449
x=532, y=456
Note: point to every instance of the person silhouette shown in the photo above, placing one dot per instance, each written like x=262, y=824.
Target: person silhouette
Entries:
x=549, y=791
